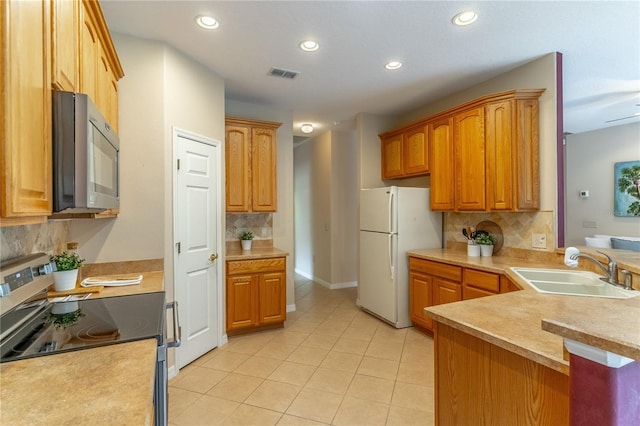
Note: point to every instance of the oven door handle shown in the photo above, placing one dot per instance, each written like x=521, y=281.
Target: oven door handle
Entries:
x=177, y=330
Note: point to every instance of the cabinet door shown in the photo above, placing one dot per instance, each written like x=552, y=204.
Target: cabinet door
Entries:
x=446, y=291
x=112, y=104
x=392, y=156
x=263, y=170
x=442, y=164
x=506, y=285
x=415, y=153
x=420, y=296
x=499, y=155
x=242, y=301
x=272, y=298
x=89, y=58
x=25, y=105
x=103, y=81
x=237, y=152
x=469, y=159
x=64, y=44
x=527, y=155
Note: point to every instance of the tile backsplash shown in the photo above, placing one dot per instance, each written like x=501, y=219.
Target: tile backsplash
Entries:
x=50, y=237
x=261, y=224
x=517, y=228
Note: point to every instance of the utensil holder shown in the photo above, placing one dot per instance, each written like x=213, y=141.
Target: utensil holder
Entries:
x=473, y=250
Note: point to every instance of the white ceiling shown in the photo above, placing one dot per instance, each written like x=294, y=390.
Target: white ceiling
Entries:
x=599, y=40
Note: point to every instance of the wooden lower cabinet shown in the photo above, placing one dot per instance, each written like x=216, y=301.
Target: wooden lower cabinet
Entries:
x=477, y=382
x=434, y=283
x=256, y=294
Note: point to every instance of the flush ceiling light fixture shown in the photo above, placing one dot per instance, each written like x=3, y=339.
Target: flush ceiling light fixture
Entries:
x=465, y=18
x=306, y=128
x=309, y=46
x=207, y=22
x=393, y=65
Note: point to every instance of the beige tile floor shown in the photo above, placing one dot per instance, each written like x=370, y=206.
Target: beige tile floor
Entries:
x=332, y=364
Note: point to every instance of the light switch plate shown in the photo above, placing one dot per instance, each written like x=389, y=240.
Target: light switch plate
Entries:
x=539, y=241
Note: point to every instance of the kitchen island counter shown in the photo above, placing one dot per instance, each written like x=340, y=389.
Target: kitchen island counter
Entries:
x=79, y=387
x=517, y=321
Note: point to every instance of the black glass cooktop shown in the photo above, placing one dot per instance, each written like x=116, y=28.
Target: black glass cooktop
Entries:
x=73, y=325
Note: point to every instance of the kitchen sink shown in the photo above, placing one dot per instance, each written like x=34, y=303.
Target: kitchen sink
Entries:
x=573, y=283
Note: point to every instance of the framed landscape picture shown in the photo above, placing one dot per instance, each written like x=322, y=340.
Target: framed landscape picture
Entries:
x=626, y=199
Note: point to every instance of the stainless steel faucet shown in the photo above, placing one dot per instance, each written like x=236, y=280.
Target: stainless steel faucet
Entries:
x=610, y=271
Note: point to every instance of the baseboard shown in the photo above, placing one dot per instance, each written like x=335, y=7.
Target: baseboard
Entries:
x=171, y=372
x=326, y=284
x=291, y=308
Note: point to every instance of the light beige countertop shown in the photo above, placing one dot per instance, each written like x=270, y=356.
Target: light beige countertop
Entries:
x=254, y=253
x=151, y=282
x=81, y=388
x=517, y=321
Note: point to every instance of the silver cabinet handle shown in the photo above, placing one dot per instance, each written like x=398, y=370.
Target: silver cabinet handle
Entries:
x=177, y=330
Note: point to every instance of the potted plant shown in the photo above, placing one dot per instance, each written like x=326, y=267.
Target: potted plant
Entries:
x=486, y=241
x=66, y=274
x=245, y=239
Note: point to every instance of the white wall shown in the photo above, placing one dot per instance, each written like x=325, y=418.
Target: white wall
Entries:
x=590, y=157
x=283, y=218
x=326, y=218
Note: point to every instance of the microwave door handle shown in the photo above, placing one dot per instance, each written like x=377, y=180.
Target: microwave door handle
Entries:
x=177, y=330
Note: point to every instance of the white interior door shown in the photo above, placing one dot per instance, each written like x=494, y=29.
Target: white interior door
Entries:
x=197, y=255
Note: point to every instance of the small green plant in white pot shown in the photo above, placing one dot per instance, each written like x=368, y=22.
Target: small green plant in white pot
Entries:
x=246, y=237
x=486, y=242
x=66, y=274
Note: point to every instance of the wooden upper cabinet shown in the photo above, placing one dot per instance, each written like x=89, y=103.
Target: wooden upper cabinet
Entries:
x=392, y=156
x=442, y=192
x=100, y=68
x=25, y=108
x=527, y=155
x=65, y=29
x=499, y=155
x=405, y=153
x=251, y=165
x=469, y=159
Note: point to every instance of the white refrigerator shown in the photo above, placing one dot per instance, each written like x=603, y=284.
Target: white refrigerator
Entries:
x=393, y=220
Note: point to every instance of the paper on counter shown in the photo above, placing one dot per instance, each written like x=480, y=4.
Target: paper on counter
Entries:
x=111, y=281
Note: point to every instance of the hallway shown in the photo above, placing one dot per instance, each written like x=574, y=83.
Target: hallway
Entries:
x=332, y=364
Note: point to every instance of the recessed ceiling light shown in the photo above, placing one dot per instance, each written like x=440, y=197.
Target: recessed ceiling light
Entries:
x=309, y=46
x=207, y=22
x=393, y=65
x=306, y=128
x=465, y=18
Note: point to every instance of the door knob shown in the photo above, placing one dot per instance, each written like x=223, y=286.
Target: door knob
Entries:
x=213, y=257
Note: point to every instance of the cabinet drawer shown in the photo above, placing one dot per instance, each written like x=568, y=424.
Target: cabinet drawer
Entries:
x=443, y=270
x=484, y=280
x=473, y=293
x=256, y=265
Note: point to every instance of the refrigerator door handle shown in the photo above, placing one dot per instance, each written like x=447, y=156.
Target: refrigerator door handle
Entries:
x=391, y=211
x=390, y=252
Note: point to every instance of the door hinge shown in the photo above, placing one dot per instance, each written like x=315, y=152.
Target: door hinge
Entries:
x=178, y=164
x=178, y=245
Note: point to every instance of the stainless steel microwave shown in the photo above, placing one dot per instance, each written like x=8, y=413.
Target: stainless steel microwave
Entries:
x=86, y=150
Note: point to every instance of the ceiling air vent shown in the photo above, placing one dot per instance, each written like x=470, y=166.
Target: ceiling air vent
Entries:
x=282, y=73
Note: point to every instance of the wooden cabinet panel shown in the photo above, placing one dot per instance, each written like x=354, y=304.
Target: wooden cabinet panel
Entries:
x=25, y=108
x=65, y=29
x=415, y=153
x=477, y=380
x=499, y=155
x=263, y=170
x=251, y=164
x=473, y=293
x=237, y=176
x=482, y=280
x=527, y=191
x=420, y=296
x=506, y=285
x=469, y=160
x=89, y=58
x=272, y=297
x=446, y=291
x=442, y=164
x=242, y=293
x=392, y=156
x=256, y=294
x=443, y=270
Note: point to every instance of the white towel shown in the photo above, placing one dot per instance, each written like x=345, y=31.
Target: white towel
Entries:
x=571, y=251
x=107, y=282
